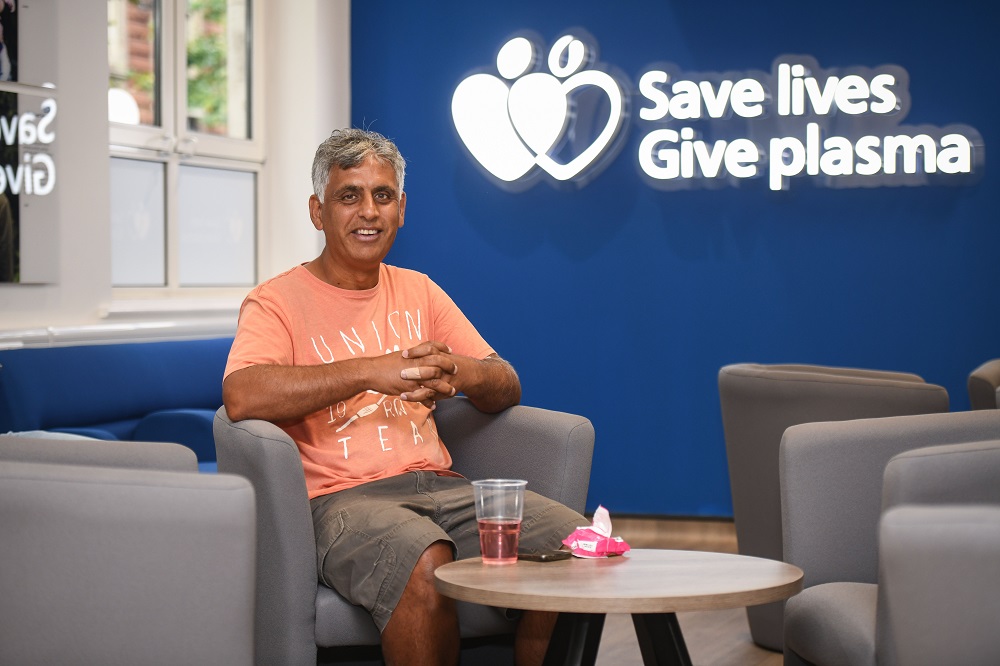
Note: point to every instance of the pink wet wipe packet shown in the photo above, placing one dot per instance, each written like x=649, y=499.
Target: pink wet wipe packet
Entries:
x=596, y=540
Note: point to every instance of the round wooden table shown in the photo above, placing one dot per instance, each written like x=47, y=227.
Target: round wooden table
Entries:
x=651, y=585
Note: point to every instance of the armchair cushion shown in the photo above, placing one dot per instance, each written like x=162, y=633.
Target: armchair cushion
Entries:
x=833, y=624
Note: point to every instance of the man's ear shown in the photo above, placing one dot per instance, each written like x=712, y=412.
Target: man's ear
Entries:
x=315, y=210
x=402, y=208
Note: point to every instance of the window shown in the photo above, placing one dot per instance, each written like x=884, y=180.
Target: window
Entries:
x=186, y=145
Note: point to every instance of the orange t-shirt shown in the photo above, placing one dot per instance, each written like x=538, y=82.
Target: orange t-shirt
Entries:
x=297, y=319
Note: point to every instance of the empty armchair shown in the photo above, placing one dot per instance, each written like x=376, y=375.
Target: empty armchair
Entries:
x=125, y=566
x=939, y=584
x=296, y=615
x=758, y=403
x=984, y=386
x=836, y=480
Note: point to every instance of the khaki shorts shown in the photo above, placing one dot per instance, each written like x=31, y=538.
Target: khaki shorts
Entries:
x=368, y=538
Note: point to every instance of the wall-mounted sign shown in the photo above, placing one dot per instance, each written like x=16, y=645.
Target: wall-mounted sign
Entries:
x=563, y=117
x=29, y=219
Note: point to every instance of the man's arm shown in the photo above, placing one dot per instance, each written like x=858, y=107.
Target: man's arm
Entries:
x=280, y=393
x=498, y=387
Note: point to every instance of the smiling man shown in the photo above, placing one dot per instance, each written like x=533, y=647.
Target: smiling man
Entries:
x=349, y=356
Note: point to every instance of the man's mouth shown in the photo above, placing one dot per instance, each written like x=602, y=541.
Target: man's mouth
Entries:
x=366, y=233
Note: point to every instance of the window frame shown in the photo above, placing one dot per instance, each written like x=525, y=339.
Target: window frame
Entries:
x=173, y=145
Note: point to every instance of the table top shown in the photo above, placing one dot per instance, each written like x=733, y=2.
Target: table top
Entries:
x=641, y=581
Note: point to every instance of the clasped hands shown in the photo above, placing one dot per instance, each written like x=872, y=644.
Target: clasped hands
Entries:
x=430, y=375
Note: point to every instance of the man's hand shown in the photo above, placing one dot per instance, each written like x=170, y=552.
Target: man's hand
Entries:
x=432, y=373
x=437, y=374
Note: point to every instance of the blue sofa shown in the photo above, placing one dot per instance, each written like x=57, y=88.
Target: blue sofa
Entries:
x=145, y=391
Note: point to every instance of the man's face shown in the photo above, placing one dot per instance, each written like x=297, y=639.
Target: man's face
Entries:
x=360, y=214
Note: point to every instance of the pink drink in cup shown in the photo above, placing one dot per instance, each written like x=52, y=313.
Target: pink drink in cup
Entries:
x=499, y=508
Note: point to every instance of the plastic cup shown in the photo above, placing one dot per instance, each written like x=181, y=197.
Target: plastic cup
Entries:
x=499, y=508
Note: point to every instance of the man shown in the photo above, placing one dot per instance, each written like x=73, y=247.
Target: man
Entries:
x=349, y=356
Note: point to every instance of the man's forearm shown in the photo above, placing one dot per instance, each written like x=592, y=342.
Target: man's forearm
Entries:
x=497, y=386
x=282, y=393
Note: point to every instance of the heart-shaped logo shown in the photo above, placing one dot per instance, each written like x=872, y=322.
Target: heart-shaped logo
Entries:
x=538, y=108
x=510, y=129
x=479, y=109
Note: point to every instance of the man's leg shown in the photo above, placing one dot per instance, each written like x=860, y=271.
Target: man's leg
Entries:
x=531, y=638
x=423, y=628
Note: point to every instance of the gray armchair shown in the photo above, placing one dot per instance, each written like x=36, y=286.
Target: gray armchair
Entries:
x=105, y=565
x=758, y=403
x=984, y=386
x=297, y=617
x=939, y=581
x=836, y=481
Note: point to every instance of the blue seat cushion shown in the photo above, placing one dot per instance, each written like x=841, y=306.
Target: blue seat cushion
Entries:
x=191, y=427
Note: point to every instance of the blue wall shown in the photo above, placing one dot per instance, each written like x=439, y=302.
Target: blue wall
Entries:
x=620, y=301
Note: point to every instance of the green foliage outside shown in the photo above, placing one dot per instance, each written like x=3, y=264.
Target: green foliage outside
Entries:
x=206, y=61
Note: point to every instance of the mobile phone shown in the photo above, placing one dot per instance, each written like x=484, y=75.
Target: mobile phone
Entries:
x=544, y=556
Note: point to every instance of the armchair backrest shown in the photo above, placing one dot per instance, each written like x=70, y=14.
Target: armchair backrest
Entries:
x=125, y=566
x=164, y=456
x=983, y=385
x=552, y=450
x=759, y=402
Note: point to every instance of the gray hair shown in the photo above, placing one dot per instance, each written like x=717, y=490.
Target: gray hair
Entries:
x=347, y=148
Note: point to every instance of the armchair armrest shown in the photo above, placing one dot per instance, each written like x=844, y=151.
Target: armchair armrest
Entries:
x=551, y=450
x=286, y=549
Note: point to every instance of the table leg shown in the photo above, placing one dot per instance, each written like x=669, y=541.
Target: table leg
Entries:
x=660, y=639
x=575, y=640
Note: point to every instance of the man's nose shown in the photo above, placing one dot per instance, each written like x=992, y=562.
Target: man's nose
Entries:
x=368, y=209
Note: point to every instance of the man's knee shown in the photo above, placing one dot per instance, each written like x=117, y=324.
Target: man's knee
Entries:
x=437, y=554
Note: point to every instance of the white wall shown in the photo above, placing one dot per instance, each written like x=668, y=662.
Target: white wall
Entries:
x=307, y=93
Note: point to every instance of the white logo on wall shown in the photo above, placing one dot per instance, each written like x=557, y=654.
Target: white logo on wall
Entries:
x=831, y=127
x=511, y=129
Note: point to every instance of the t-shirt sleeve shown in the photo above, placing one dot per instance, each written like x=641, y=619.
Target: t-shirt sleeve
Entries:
x=453, y=328
x=262, y=335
